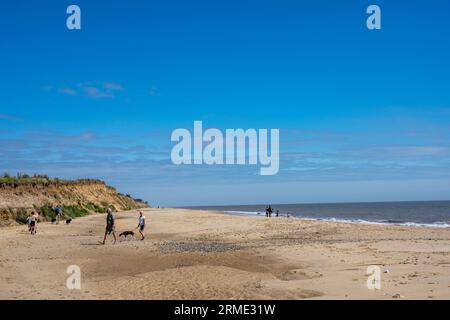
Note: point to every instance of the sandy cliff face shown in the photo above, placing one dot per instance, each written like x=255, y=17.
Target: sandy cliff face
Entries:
x=76, y=199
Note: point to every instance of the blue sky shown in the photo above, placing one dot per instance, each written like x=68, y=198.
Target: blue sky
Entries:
x=363, y=115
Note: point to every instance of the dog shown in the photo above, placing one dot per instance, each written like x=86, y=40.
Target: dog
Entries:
x=68, y=221
x=126, y=234
x=53, y=220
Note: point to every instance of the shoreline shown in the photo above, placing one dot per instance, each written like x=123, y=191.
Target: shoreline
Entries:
x=194, y=254
x=337, y=220
x=428, y=214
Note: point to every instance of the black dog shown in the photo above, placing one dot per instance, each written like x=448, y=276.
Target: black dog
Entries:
x=53, y=220
x=127, y=233
x=68, y=221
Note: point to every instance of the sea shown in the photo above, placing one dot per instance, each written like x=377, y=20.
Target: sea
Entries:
x=409, y=213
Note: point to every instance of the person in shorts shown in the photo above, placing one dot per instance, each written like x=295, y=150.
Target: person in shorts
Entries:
x=33, y=223
x=28, y=222
x=141, y=224
x=58, y=213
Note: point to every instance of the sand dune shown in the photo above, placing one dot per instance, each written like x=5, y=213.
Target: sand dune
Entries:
x=206, y=255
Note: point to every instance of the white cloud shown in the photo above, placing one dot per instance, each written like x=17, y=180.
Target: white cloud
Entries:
x=68, y=91
x=94, y=90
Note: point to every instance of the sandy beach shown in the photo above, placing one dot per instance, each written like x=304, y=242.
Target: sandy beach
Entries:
x=209, y=255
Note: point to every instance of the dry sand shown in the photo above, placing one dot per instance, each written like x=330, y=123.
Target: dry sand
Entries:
x=208, y=255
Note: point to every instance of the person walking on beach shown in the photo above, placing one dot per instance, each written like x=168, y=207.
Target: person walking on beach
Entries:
x=109, y=225
x=28, y=222
x=267, y=212
x=278, y=213
x=58, y=212
x=33, y=223
x=270, y=211
x=141, y=224
x=37, y=220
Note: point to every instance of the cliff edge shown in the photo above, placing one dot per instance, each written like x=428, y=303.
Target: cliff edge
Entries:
x=21, y=195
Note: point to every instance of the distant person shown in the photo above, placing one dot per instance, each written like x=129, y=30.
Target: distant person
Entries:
x=28, y=222
x=109, y=225
x=267, y=212
x=37, y=220
x=270, y=211
x=58, y=213
x=278, y=213
x=141, y=224
x=33, y=223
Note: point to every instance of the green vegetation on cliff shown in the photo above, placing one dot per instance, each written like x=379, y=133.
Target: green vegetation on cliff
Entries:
x=22, y=194
x=40, y=179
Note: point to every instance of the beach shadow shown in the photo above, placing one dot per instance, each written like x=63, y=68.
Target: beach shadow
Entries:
x=93, y=244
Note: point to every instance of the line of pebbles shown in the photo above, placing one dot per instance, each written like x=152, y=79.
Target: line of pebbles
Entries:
x=197, y=246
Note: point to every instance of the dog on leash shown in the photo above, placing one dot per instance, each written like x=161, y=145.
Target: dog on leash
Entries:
x=125, y=234
x=68, y=221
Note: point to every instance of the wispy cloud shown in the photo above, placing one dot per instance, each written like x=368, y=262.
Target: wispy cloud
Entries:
x=68, y=91
x=90, y=89
x=154, y=91
x=95, y=92
x=416, y=152
x=9, y=117
x=112, y=86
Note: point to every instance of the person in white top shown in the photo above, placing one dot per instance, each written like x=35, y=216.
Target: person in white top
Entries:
x=33, y=223
x=141, y=224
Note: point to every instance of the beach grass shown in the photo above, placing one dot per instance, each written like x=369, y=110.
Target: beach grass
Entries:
x=24, y=179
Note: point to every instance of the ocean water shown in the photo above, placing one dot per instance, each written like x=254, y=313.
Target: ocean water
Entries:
x=414, y=213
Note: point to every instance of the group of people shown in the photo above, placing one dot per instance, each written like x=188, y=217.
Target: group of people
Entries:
x=33, y=219
x=110, y=225
x=269, y=212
